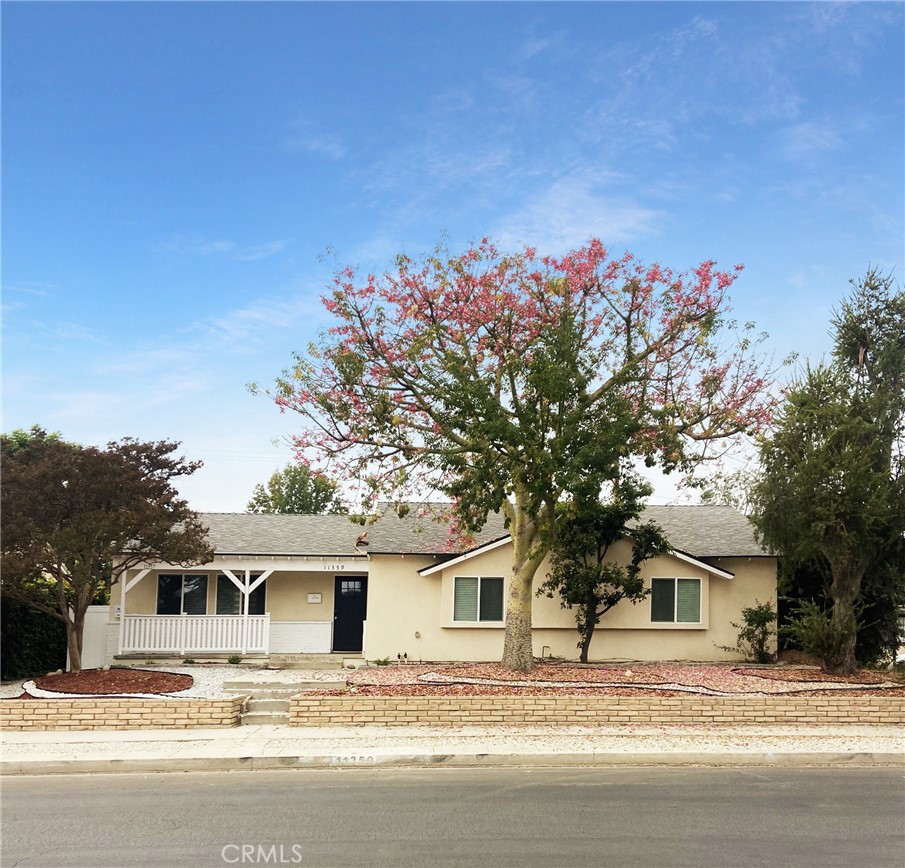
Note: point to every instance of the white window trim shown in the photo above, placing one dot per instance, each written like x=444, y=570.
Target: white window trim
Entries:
x=676, y=624
x=477, y=622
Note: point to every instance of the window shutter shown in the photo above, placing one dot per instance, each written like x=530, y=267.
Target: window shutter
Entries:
x=491, y=599
x=466, y=599
x=663, y=600
x=688, y=610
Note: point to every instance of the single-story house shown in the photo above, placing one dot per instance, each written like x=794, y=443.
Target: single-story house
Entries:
x=319, y=584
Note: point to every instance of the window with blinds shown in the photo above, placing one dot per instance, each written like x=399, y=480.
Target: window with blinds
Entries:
x=478, y=598
x=675, y=601
x=182, y=595
x=229, y=598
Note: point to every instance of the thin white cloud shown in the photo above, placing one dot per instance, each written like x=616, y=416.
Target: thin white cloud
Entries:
x=195, y=246
x=573, y=209
x=256, y=321
x=72, y=331
x=454, y=99
x=309, y=137
x=698, y=29
x=198, y=246
x=261, y=251
x=805, y=141
x=30, y=287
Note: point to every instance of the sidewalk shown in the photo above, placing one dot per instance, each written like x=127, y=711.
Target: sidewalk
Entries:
x=281, y=747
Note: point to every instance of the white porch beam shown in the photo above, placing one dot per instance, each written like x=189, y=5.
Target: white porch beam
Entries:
x=260, y=580
x=135, y=580
x=230, y=575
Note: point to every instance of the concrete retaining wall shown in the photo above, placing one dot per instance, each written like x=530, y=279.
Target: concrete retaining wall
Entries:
x=308, y=710
x=119, y=713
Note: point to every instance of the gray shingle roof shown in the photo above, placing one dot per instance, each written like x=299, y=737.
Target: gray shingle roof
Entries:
x=700, y=531
x=706, y=531
x=425, y=530
x=253, y=534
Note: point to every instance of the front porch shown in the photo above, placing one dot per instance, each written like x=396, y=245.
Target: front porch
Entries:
x=254, y=607
x=218, y=635
x=195, y=634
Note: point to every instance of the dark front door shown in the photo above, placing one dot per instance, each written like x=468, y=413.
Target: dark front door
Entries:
x=350, y=608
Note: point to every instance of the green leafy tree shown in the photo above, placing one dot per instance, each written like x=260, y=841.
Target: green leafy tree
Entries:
x=505, y=381
x=21, y=439
x=583, y=572
x=832, y=486
x=75, y=518
x=297, y=489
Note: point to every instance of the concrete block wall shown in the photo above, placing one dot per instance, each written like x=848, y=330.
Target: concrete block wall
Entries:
x=843, y=710
x=119, y=713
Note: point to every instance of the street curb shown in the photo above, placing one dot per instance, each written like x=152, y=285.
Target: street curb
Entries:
x=485, y=760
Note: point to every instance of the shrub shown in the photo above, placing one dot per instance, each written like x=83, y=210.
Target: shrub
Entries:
x=31, y=642
x=382, y=661
x=755, y=633
x=235, y=659
x=813, y=629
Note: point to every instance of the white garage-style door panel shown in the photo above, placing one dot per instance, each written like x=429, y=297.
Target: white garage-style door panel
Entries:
x=300, y=637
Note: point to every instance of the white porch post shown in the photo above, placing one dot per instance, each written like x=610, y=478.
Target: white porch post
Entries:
x=122, y=611
x=123, y=587
x=246, y=594
x=245, y=586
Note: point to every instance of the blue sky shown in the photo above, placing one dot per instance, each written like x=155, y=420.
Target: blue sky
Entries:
x=173, y=174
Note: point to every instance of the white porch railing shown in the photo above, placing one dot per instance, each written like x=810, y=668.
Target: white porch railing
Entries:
x=184, y=634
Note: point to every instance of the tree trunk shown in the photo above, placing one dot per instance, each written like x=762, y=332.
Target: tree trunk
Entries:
x=75, y=630
x=844, y=626
x=585, y=645
x=844, y=591
x=518, y=652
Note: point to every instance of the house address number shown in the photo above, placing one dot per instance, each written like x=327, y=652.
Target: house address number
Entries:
x=333, y=568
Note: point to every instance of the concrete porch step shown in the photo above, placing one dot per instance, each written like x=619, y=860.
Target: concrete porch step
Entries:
x=254, y=706
x=268, y=718
x=288, y=688
x=316, y=661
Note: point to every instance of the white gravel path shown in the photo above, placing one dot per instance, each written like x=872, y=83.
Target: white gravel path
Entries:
x=208, y=680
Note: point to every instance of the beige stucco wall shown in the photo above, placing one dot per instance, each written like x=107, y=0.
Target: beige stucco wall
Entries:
x=411, y=613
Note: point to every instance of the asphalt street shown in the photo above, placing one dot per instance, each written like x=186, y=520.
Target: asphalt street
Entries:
x=459, y=817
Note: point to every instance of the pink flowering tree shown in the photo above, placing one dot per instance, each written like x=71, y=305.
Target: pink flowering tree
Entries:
x=513, y=382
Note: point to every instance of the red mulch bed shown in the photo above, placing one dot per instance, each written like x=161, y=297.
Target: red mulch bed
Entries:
x=490, y=690
x=496, y=690
x=860, y=677
x=560, y=673
x=99, y=682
